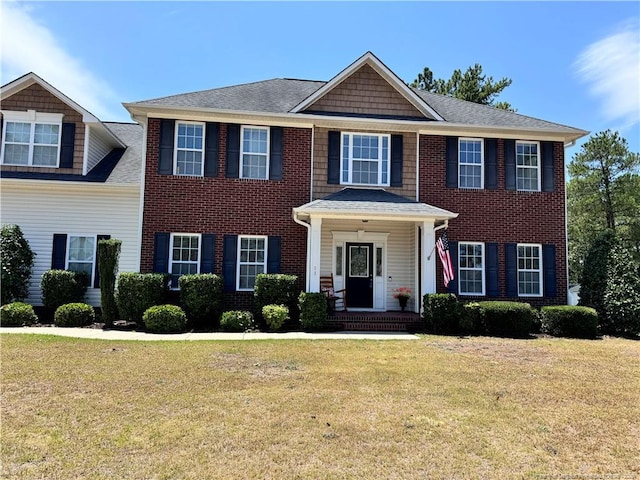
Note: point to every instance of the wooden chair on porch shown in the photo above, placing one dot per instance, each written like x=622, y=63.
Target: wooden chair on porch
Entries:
x=336, y=299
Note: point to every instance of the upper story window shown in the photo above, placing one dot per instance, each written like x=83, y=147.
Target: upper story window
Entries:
x=185, y=256
x=254, y=155
x=252, y=260
x=81, y=254
x=528, y=166
x=471, y=268
x=471, y=159
x=365, y=159
x=189, y=152
x=31, y=138
x=529, y=270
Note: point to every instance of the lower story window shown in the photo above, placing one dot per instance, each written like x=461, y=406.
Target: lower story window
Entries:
x=81, y=254
x=529, y=270
x=471, y=268
x=185, y=256
x=252, y=260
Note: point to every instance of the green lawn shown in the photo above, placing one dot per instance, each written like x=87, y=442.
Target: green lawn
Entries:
x=439, y=407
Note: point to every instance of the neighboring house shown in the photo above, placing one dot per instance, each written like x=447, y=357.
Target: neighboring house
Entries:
x=67, y=179
x=354, y=177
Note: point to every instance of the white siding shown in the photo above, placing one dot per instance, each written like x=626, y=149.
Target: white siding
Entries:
x=44, y=208
x=99, y=146
x=401, y=253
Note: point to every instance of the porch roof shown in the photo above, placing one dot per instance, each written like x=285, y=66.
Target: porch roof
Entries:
x=364, y=203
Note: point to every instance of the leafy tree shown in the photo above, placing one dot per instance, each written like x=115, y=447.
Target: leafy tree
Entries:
x=17, y=258
x=472, y=85
x=603, y=192
x=622, y=292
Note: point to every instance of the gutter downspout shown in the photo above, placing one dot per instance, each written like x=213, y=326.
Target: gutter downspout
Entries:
x=308, y=227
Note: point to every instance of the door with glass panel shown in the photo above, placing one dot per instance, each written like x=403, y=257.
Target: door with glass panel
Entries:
x=359, y=275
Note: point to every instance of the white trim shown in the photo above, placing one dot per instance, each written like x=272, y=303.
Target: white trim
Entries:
x=95, y=253
x=539, y=270
x=176, y=148
x=481, y=165
x=483, y=270
x=242, y=152
x=538, y=168
x=181, y=262
x=239, y=249
x=380, y=159
x=33, y=118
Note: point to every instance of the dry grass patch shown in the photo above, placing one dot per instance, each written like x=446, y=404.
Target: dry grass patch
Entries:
x=441, y=407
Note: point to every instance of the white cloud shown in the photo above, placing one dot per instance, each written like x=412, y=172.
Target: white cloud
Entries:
x=29, y=46
x=611, y=67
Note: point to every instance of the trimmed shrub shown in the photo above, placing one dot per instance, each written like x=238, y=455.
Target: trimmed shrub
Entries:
x=276, y=289
x=60, y=287
x=507, y=319
x=444, y=314
x=313, y=311
x=472, y=320
x=570, y=321
x=275, y=315
x=201, y=299
x=16, y=258
x=622, y=293
x=139, y=291
x=108, y=256
x=74, y=315
x=237, y=321
x=164, y=319
x=17, y=314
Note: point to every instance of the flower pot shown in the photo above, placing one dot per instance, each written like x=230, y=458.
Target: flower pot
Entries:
x=403, y=302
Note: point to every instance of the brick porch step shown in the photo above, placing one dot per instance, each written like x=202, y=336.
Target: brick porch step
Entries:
x=375, y=321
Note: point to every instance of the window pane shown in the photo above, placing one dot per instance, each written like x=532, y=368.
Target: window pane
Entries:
x=18, y=132
x=378, y=262
x=339, y=260
x=46, y=134
x=359, y=261
x=45, y=156
x=16, y=154
x=185, y=253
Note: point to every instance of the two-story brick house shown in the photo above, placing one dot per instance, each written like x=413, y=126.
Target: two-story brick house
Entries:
x=354, y=177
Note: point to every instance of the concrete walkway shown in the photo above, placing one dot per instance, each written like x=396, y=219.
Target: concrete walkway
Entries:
x=99, y=334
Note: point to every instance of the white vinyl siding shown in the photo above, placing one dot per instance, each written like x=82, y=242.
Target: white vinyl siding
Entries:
x=254, y=153
x=529, y=270
x=99, y=147
x=471, y=268
x=470, y=163
x=31, y=138
x=365, y=159
x=528, y=166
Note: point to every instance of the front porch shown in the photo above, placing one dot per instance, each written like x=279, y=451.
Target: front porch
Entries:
x=375, y=321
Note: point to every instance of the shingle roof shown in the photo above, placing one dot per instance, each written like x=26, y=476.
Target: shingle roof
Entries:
x=127, y=170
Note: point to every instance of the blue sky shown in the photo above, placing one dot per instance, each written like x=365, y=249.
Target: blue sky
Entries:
x=575, y=63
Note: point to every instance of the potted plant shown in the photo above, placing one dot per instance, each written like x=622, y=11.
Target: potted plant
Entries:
x=403, y=294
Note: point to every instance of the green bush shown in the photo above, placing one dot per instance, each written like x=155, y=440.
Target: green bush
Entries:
x=60, y=287
x=17, y=314
x=275, y=315
x=622, y=293
x=570, y=321
x=164, y=319
x=237, y=321
x=108, y=256
x=16, y=258
x=444, y=314
x=472, y=320
x=276, y=289
x=507, y=319
x=201, y=298
x=313, y=311
x=74, y=315
x=139, y=291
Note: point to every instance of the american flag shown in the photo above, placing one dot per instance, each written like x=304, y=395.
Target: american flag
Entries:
x=445, y=258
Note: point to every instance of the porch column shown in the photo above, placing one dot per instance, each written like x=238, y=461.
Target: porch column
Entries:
x=428, y=267
x=314, y=254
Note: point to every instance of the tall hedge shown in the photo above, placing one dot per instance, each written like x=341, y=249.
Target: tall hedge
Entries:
x=201, y=299
x=16, y=261
x=60, y=287
x=276, y=289
x=313, y=311
x=139, y=291
x=622, y=293
x=108, y=257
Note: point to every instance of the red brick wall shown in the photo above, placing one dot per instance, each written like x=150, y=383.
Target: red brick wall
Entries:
x=501, y=216
x=221, y=205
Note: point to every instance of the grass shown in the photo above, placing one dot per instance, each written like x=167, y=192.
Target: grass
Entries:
x=440, y=407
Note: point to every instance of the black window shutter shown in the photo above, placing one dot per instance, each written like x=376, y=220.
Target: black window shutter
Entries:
x=549, y=268
x=511, y=269
x=453, y=253
x=492, y=269
x=233, y=151
x=548, y=183
x=66, y=145
x=396, y=160
x=275, y=156
x=333, y=168
x=207, y=253
x=165, y=157
x=96, y=273
x=59, y=253
x=510, y=165
x=161, y=253
x=273, y=254
x=211, y=150
x=452, y=162
x=490, y=163
x=229, y=257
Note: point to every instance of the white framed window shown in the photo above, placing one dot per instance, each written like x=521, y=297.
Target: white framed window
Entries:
x=31, y=138
x=365, y=159
x=470, y=163
x=254, y=152
x=529, y=270
x=528, y=166
x=252, y=260
x=81, y=254
x=189, y=151
x=471, y=268
x=184, y=256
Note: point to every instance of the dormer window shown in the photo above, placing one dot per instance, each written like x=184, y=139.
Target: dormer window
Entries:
x=31, y=138
x=365, y=159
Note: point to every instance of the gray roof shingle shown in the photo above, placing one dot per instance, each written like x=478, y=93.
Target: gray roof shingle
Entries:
x=127, y=170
